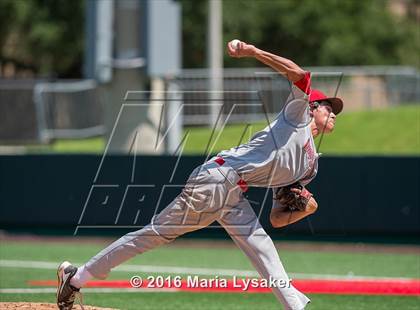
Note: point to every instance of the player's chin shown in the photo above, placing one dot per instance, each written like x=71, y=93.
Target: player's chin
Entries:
x=329, y=128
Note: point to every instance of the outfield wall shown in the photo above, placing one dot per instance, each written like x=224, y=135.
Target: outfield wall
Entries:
x=356, y=195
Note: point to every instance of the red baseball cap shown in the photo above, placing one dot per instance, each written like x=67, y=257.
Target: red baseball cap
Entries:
x=336, y=103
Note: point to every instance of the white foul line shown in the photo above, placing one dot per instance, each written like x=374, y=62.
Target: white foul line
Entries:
x=50, y=290
x=29, y=264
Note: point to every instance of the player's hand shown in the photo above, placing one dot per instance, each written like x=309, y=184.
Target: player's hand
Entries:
x=242, y=50
x=312, y=205
x=301, y=192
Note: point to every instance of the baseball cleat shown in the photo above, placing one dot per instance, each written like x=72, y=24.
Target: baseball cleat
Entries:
x=66, y=293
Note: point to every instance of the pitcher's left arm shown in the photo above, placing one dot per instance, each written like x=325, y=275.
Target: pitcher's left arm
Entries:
x=291, y=204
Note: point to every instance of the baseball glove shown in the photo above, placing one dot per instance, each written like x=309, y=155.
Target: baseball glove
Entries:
x=294, y=196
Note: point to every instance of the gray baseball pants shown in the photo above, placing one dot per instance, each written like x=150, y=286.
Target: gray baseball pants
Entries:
x=210, y=194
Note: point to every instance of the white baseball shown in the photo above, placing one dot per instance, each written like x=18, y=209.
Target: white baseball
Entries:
x=235, y=43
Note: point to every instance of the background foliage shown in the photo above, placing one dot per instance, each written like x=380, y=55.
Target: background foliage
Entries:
x=47, y=36
x=325, y=32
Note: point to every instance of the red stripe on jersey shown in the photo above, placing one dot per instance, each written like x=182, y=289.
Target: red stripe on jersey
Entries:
x=305, y=83
x=220, y=161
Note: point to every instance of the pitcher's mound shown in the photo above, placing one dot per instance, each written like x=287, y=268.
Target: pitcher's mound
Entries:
x=41, y=306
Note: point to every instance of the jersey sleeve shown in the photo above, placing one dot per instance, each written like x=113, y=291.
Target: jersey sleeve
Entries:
x=296, y=110
x=304, y=84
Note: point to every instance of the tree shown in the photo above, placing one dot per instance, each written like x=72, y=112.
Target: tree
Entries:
x=323, y=32
x=45, y=35
x=194, y=31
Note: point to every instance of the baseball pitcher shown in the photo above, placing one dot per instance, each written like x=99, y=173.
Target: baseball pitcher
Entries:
x=282, y=157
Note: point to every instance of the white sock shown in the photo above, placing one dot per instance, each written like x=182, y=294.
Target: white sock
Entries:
x=81, y=277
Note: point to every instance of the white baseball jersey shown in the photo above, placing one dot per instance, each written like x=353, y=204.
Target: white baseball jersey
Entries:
x=283, y=152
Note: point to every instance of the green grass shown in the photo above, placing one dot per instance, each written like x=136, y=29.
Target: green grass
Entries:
x=91, y=145
x=85, y=146
x=392, y=131
x=340, y=263
x=325, y=262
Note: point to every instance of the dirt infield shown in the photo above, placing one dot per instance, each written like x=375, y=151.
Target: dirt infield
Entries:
x=41, y=306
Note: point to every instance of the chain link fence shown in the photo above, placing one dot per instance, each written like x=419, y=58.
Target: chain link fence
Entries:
x=33, y=111
x=70, y=109
x=360, y=87
x=18, y=120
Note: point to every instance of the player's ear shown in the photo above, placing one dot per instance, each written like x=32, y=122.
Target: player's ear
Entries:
x=313, y=106
x=311, y=112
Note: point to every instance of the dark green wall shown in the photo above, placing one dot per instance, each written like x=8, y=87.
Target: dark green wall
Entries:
x=356, y=195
